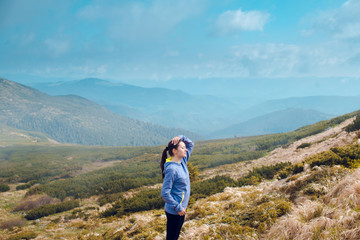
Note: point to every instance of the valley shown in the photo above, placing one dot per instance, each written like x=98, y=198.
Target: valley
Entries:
x=237, y=182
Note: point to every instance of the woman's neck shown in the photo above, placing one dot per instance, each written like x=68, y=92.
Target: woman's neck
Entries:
x=176, y=159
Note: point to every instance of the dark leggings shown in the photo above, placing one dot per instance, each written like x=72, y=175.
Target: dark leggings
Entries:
x=173, y=226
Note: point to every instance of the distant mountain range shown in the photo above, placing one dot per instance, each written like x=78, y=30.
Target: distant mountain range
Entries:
x=205, y=114
x=171, y=108
x=275, y=122
x=250, y=91
x=333, y=105
x=73, y=119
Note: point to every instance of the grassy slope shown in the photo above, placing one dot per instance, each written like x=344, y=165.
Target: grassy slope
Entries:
x=11, y=136
x=203, y=219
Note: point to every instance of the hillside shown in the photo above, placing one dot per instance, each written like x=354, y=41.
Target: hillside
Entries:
x=312, y=198
x=332, y=137
x=274, y=122
x=73, y=119
x=319, y=202
x=12, y=136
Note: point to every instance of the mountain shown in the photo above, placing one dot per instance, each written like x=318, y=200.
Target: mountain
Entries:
x=206, y=113
x=73, y=119
x=332, y=105
x=274, y=122
x=171, y=108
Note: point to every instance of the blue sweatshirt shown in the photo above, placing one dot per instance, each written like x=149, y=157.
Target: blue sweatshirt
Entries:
x=176, y=187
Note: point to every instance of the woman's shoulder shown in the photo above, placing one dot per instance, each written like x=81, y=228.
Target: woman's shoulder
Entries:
x=171, y=167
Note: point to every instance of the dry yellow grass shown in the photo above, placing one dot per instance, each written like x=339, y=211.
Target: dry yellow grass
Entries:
x=250, y=212
x=335, y=216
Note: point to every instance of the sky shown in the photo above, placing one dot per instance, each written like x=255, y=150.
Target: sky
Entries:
x=163, y=40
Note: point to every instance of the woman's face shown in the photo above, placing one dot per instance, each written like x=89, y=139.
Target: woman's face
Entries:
x=181, y=150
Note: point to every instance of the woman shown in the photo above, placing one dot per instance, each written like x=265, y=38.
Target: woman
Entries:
x=176, y=183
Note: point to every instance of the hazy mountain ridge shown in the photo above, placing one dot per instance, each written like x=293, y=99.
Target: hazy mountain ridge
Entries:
x=171, y=108
x=204, y=114
x=73, y=119
x=333, y=105
x=274, y=122
x=254, y=90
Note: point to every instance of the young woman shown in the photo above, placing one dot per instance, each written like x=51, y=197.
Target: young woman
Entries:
x=176, y=183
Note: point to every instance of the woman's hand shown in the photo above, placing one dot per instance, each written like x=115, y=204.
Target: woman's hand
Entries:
x=175, y=140
x=182, y=213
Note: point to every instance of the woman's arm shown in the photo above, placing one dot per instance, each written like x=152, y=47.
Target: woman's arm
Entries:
x=189, y=146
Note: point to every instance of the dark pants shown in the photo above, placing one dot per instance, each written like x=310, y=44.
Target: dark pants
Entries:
x=173, y=227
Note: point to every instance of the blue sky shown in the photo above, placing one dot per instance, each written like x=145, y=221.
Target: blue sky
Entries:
x=162, y=40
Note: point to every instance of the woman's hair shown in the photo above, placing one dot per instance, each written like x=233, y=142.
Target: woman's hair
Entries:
x=168, y=149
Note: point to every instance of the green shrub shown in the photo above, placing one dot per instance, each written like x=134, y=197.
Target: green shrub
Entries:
x=114, y=210
x=328, y=158
x=23, y=235
x=50, y=209
x=4, y=188
x=298, y=168
x=23, y=186
x=354, y=126
x=292, y=169
x=265, y=172
x=347, y=156
x=258, y=215
x=268, y=172
x=211, y=186
x=193, y=172
x=34, y=190
x=109, y=198
x=145, y=200
x=350, y=155
x=304, y=145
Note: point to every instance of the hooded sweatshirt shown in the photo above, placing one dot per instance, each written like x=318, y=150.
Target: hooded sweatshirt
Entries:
x=176, y=186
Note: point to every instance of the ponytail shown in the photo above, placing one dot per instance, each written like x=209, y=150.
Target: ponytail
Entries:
x=162, y=162
x=168, y=149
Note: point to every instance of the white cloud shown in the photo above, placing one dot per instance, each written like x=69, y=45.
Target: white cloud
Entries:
x=342, y=23
x=238, y=20
x=141, y=21
x=289, y=60
x=265, y=59
x=337, y=33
